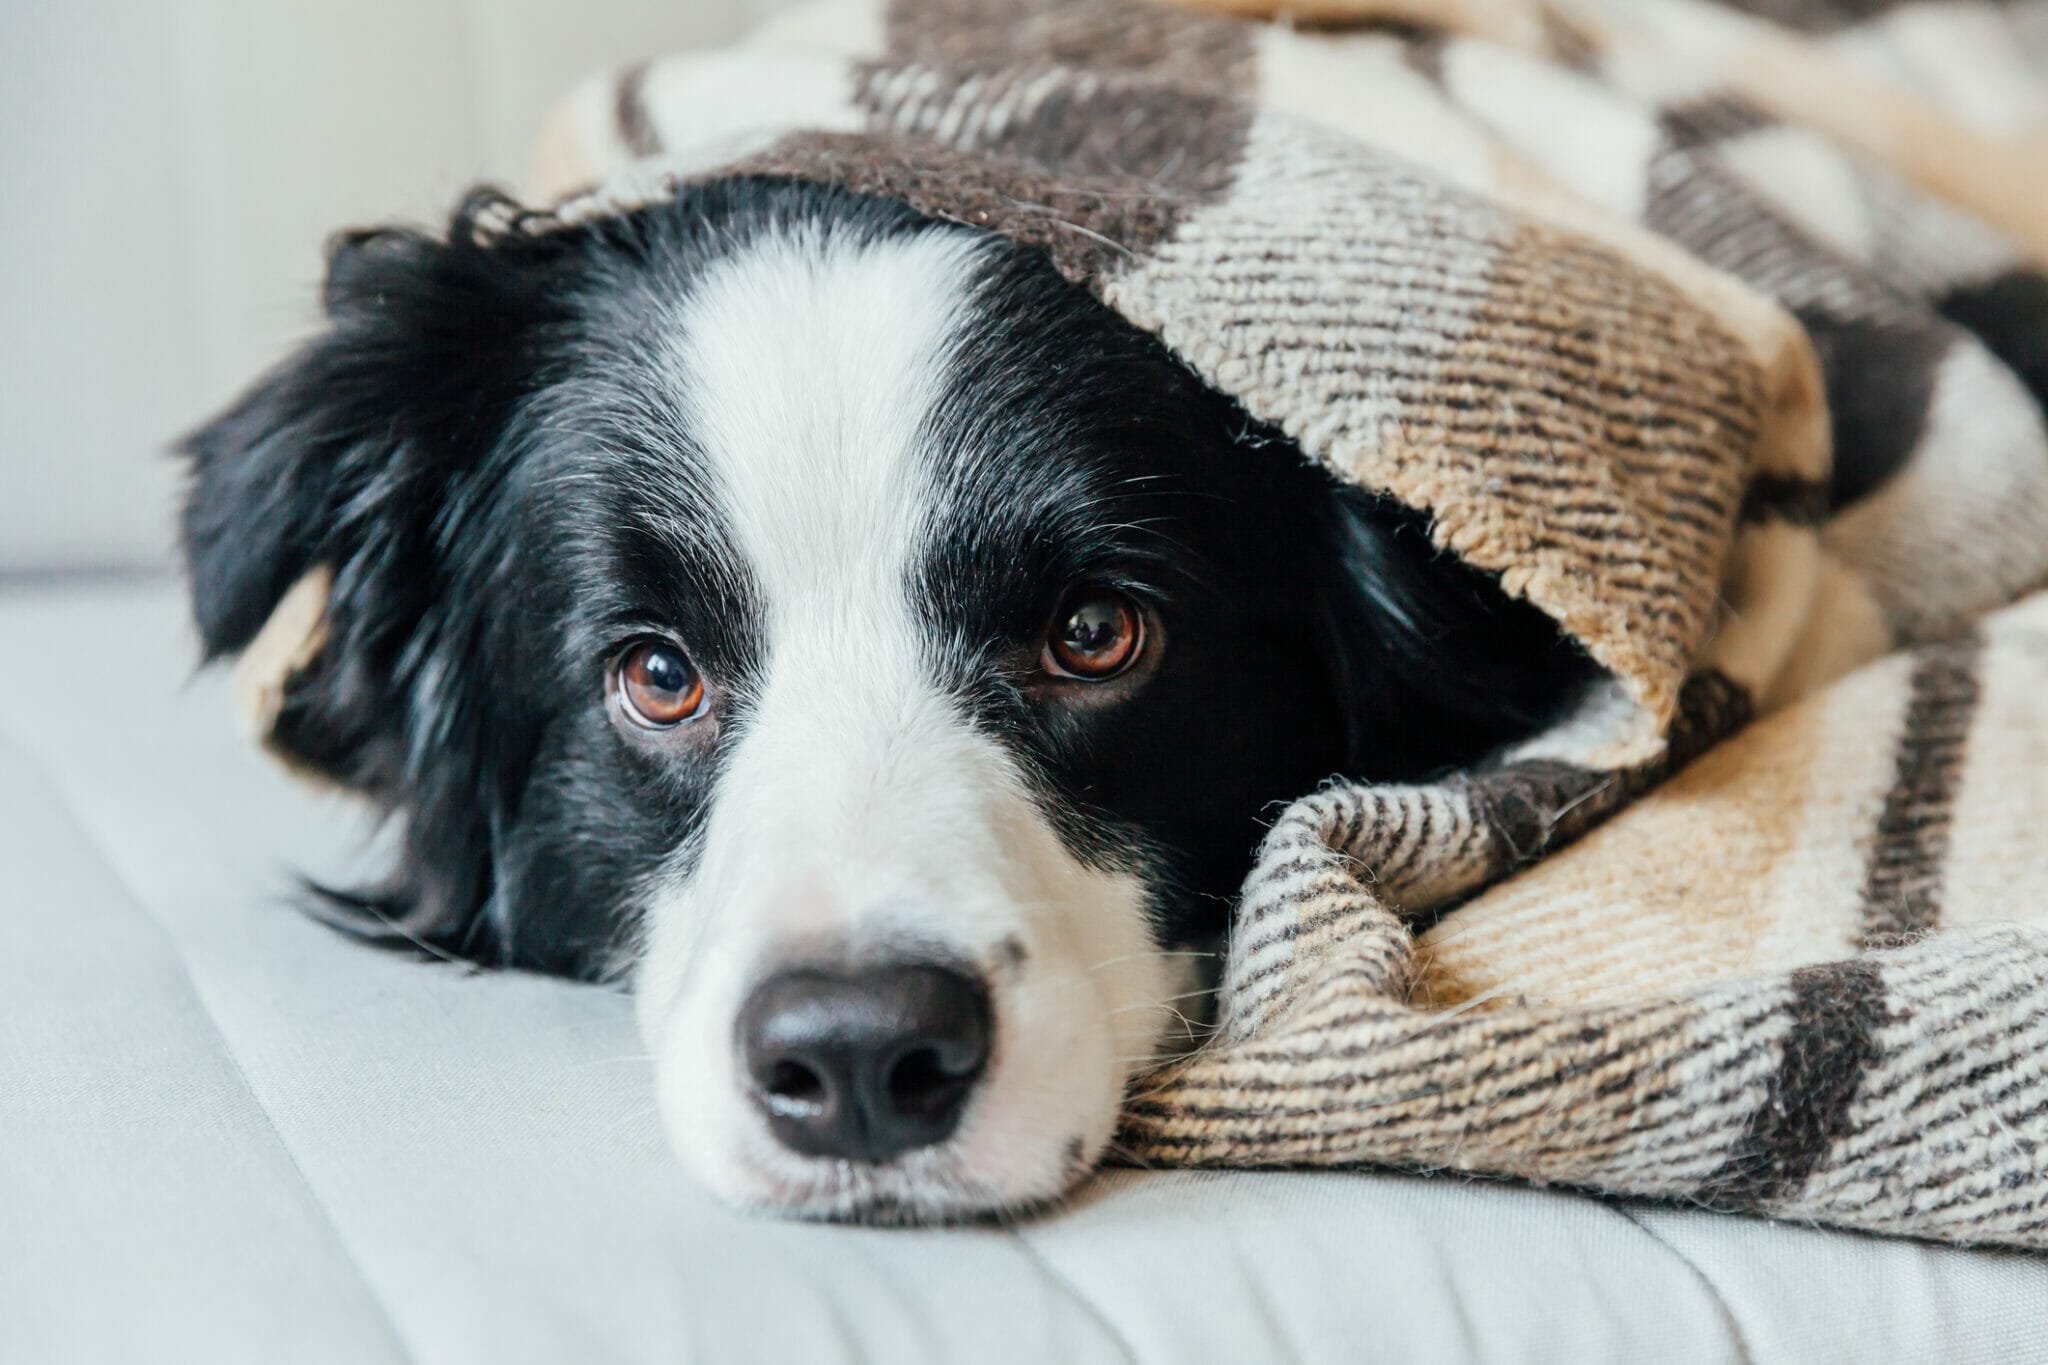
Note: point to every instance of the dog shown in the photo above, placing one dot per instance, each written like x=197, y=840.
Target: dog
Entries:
x=846, y=631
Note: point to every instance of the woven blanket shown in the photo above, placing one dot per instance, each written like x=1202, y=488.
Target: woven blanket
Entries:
x=1719, y=332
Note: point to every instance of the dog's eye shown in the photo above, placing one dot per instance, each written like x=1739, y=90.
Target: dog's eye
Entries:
x=1096, y=634
x=658, y=685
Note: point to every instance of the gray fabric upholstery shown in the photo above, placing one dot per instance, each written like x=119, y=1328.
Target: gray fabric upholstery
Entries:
x=227, y=1136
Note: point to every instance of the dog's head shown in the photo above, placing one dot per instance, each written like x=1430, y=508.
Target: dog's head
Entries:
x=848, y=631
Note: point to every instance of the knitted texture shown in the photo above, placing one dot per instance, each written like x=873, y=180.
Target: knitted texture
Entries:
x=1598, y=286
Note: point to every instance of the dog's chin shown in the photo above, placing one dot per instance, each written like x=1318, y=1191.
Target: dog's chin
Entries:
x=981, y=1172
x=933, y=1186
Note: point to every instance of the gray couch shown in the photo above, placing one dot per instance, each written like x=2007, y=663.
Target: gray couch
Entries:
x=228, y=1135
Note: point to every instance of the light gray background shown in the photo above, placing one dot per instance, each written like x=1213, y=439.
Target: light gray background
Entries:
x=172, y=169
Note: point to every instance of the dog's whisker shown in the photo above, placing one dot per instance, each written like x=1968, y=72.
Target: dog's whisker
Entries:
x=1163, y=1007
x=1184, y=995
x=1135, y=957
x=641, y=1059
x=634, y=1119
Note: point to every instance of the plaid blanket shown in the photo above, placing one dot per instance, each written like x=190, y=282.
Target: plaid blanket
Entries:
x=1717, y=331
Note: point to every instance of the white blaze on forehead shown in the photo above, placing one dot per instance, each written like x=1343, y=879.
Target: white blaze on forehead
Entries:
x=812, y=360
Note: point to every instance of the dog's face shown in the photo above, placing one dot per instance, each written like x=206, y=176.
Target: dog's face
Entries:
x=850, y=633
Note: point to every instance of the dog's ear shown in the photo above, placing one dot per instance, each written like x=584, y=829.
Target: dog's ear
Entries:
x=338, y=519
x=344, y=468
x=1434, y=664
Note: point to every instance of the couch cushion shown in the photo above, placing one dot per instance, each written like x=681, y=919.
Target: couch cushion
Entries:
x=232, y=1135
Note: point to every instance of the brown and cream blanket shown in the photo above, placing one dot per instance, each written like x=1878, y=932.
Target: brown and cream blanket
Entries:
x=1717, y=331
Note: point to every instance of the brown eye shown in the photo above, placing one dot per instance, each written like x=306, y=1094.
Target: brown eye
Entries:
x=1096, y=634
x=658, y=685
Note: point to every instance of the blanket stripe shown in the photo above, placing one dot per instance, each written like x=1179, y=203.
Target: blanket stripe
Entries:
x=1829, y=1049
x=1902, y=893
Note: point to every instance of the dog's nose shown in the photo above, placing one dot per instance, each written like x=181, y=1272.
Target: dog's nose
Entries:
x=865, y=1064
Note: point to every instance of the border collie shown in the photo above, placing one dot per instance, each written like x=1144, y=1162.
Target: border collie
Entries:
x=846, y=630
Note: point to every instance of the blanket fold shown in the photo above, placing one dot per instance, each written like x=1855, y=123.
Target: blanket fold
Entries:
x=1732, y=993
x=1719, y=332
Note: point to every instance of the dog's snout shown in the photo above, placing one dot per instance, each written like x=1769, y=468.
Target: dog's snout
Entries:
x=865, y=1064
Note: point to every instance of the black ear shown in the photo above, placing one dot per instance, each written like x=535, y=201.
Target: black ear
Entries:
x=1435, y=665
x=351, y=454
x=376, y=453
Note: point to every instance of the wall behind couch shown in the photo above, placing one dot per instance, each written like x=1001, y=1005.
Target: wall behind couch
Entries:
x=172, y=169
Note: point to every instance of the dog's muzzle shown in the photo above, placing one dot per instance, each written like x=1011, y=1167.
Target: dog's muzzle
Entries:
x=868, y=1063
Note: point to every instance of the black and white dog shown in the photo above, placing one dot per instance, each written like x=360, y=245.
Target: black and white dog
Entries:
x=847, y=630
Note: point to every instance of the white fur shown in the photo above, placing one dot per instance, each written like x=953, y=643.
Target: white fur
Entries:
x=858, y=809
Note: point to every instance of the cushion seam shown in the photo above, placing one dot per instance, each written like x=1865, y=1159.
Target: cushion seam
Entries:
x=1059, y=1280
x=1706, y=1282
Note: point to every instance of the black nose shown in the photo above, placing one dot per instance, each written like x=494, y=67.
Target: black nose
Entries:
x=865, y=1064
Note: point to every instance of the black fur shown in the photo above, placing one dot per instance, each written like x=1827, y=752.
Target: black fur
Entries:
x=477, y=445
